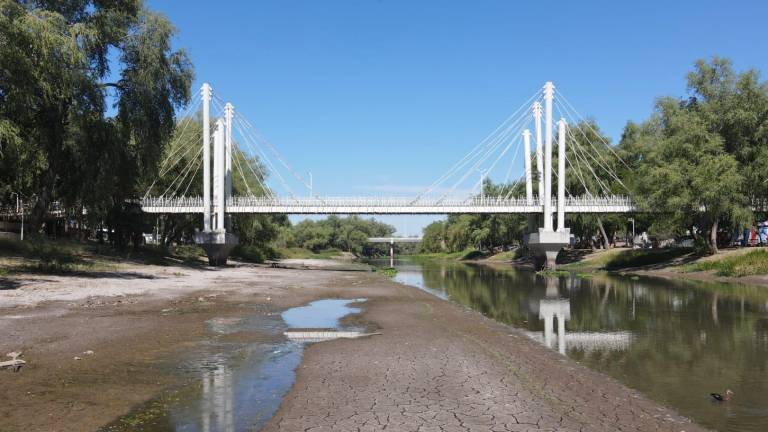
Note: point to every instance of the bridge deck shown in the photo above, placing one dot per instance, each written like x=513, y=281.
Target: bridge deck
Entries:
x=374, y=206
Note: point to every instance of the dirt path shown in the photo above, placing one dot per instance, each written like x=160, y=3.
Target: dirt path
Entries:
x=436, y=366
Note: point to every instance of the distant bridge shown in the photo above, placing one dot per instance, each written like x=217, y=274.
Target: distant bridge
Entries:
x=392, y=240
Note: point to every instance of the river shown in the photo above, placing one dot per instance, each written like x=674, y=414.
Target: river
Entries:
x=674, y=341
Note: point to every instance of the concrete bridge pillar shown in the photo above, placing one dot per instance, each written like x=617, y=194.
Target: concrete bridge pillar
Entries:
x=214, y=238
x=229, y=111
x=206, y=95
x=547, y=243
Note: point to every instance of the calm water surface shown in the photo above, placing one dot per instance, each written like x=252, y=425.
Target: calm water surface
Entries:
x=674, y=341
x=235, y=386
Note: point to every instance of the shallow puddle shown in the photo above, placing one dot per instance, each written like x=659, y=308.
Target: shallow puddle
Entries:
x=236, y=386
x=321, y=314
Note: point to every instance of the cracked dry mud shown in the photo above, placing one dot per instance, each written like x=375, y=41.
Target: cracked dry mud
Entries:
x=440, y=367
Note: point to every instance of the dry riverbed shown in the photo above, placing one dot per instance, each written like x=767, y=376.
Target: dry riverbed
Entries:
x=98, y=346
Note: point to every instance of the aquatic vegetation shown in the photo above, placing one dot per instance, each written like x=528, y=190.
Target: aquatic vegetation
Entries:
x=387, y=271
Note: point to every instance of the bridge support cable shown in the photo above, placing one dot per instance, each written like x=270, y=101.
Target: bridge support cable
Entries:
x=182, y=175
x=256, y=150
x=174, y=145
x=510, y=135
x=600, y=160
x=481, y=155
x=582, y=153
x=187, y=120
x=581, y=119
x=476, y=167
x=277, y=154
x=259, y=138
x=252, y=146
x=260, y=176
x=240, y=170
x=192, y=179
x=484, y=143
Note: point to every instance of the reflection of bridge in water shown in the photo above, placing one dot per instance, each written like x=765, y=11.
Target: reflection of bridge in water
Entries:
x=553, y=307
x=218, y=408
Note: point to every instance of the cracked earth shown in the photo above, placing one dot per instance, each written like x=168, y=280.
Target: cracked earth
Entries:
x=440, y=367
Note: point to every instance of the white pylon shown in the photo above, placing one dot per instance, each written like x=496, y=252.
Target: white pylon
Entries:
x=549, y=92
x=536, y=109
x=528, y=179
x=229, y=112
x=218, y=161
x=561, y=175
x=206, y=95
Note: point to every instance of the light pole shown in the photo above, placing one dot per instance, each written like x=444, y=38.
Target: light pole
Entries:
x=20, y=208
x=482, y=184
x=633, y=230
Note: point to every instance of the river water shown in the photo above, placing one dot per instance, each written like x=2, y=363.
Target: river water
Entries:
x=235, y=386
x=674, y=341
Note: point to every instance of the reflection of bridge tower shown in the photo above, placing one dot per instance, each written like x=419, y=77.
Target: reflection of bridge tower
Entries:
x=214, y=238
x=218, y=409
x=553, y=307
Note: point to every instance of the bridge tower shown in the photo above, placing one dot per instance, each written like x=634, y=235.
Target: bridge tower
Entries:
x=547, y=242
x=214, y=238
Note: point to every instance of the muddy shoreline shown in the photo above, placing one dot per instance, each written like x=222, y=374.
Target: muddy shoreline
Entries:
x=436, y=366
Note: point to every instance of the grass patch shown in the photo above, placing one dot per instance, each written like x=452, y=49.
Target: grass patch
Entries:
x=748, y=264
x=249, y=253
x=507, y=256
x=644, y=257
x=387, y=271
x=466, y=254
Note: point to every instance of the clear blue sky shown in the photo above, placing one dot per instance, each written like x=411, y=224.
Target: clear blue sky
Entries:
x=381, y=97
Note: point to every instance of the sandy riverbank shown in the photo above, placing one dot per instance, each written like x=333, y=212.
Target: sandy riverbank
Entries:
x=436, y=366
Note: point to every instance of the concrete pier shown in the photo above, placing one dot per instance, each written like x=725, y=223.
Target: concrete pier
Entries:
x=217, y=245
x=546, y=245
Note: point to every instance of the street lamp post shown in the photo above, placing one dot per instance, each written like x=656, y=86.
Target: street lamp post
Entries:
x=20, y=208
x=633, y=230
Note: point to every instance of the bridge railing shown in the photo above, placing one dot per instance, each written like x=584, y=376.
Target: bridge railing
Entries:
x=248, y=201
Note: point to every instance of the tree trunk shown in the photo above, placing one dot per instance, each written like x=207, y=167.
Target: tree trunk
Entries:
x=603, y=235
x=713, y=238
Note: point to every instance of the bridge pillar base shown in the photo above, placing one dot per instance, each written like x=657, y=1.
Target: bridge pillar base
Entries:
x=546, y=245
x=217, y=245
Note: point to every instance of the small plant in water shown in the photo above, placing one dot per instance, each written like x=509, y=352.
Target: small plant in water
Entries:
x=387, y=271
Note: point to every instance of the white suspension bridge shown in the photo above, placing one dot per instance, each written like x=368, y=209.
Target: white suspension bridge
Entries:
x=235, y=167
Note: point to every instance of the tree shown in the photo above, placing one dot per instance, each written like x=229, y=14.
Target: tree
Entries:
x=55, y=60
x=688, y=173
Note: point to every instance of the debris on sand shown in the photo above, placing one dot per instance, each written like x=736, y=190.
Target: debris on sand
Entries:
x=15, y=363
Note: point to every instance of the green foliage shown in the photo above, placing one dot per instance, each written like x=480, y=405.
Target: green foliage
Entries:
x=643, y=257
x=698, y=160
x=348, y=234
x=56, y=141
x=752, y=263
x=387, y=271
x=481, y=232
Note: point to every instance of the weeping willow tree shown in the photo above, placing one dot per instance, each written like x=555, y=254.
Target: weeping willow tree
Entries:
x=88, y=92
